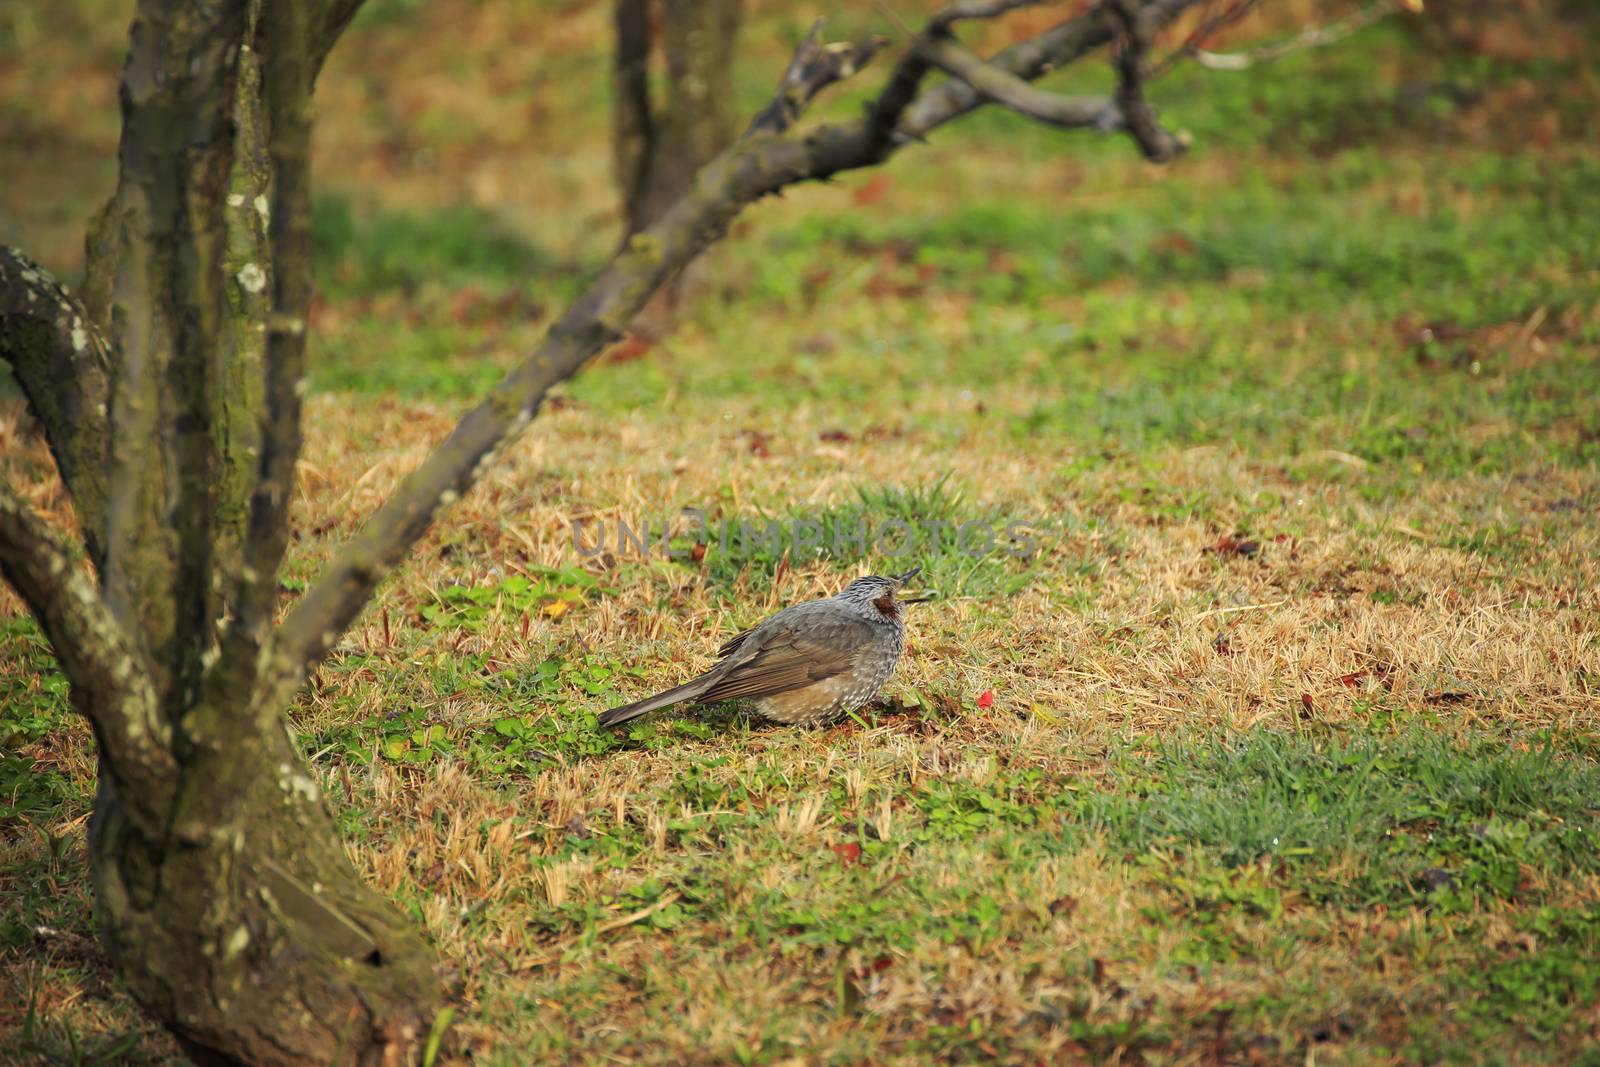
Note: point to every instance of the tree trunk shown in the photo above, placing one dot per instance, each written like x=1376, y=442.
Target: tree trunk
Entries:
x=659, y=149
x=260, y=944
x=224, y=896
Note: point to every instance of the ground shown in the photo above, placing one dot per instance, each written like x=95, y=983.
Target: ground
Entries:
x=1280, y=745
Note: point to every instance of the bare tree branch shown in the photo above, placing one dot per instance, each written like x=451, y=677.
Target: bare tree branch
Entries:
x=1029, y=60
x=247, y=282
x=325, y=23
x=1215, y=20
x=813, y=68
x=759, y=164
x=287, y=79
x=973, y=10
x=1138, y=116
x=1009, y=91
x=633, y=127
x=63, y=364
x=1312, y=37
x=108, y=686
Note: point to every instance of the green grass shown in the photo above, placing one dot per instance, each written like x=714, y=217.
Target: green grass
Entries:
x=1134, y=795
x=33, y=708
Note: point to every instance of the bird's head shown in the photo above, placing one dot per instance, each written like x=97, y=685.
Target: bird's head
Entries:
x=878, y=591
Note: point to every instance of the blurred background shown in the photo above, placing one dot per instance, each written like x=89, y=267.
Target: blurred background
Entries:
x=466, y=178
x=1309, y=420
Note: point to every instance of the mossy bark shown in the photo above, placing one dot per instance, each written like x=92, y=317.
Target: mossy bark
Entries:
x=224, y=894
x=255, y=940
x=62, y=362
x=248, y=273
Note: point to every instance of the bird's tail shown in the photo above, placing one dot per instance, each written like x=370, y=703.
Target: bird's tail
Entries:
x=628, y=712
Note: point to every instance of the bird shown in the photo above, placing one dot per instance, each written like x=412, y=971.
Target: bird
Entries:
x=809, y=663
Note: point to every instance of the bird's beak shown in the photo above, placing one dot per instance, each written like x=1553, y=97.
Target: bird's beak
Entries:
x=902, y=579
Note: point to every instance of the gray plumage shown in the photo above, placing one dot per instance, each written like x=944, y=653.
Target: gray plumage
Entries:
x=808, y=663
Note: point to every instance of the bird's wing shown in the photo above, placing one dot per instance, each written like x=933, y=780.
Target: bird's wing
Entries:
x=732, y=644
x=806, y=609
x=790, y=651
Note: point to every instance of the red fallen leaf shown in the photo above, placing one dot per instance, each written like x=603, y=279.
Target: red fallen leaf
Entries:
x=1174, y=242
x=1307, y=706
x=1354, y=678
x=758, y=443
x=836, y=436
x=629, y=349
x=465, y=306
x=813, y=281
x=699, y=552
x=1235, y=545
x=1001, y=262
x=880, y=286
x=986, y=699
x=817, y=277
x=1064, y=906
x=874, y=190
x=848, y=852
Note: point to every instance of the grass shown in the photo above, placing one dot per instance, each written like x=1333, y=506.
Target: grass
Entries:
x=1278, y=742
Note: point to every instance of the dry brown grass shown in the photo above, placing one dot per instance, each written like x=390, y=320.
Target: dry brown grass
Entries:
x=1308, y=648
x=597, y=906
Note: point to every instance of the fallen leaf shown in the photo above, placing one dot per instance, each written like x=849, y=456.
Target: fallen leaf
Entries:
x=628, y=349
x=557, y=608
x=465, y=306
x=837, y=436
x=873, y=190
x=848, y=852
x=986, y=699
x=1354, y=678
x=1174, y=242
x=1235, y=545
x=813, y=281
